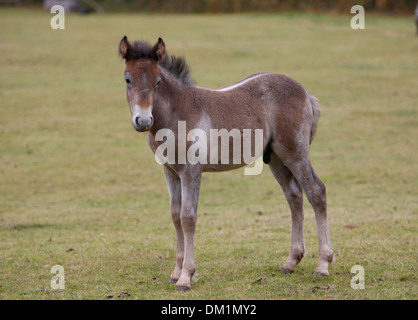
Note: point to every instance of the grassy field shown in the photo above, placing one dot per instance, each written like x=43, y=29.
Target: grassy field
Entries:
x=75, y=175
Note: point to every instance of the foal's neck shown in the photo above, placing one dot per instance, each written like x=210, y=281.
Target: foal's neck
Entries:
x=171, y=102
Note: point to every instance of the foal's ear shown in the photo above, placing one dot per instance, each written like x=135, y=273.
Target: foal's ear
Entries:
x=159, y=50
x=125, y=48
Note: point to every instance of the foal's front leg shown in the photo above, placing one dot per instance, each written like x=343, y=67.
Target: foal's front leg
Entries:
x=190, y=186
x=174, y=189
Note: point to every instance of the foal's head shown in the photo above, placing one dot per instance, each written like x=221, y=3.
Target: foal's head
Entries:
x=142, y=77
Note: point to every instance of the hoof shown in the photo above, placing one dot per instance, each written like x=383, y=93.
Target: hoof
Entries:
x=183, y=288
x=324, y=273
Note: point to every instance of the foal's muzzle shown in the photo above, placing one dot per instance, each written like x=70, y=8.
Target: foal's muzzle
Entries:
x=143, y=123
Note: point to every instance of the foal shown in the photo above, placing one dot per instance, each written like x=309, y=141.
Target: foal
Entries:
x=161, y=95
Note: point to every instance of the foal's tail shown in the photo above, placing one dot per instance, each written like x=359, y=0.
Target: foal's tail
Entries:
x=316, y=109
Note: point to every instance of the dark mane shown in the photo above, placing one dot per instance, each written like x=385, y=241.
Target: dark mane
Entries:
x=176, y=66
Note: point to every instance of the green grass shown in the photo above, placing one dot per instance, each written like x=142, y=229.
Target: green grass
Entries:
x=74, y=174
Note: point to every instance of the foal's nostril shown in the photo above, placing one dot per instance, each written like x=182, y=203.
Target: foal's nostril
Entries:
x=137, y=121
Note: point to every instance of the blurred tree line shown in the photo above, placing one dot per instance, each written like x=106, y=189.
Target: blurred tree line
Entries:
x=235, y=6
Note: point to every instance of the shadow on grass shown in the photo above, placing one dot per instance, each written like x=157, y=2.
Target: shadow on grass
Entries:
x=22, y=227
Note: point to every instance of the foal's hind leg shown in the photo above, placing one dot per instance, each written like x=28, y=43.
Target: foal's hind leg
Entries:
x=294, y=195
x=316, y=193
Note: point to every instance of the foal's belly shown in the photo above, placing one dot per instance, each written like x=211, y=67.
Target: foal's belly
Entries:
x=221, y=167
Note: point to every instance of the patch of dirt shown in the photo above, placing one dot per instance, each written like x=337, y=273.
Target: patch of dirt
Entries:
x=327, y=287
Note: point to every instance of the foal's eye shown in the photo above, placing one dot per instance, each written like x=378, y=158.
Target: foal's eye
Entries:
x=128, y=79
x=157, y=82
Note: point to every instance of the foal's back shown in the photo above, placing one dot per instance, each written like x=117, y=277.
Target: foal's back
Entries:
x=269, y=101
